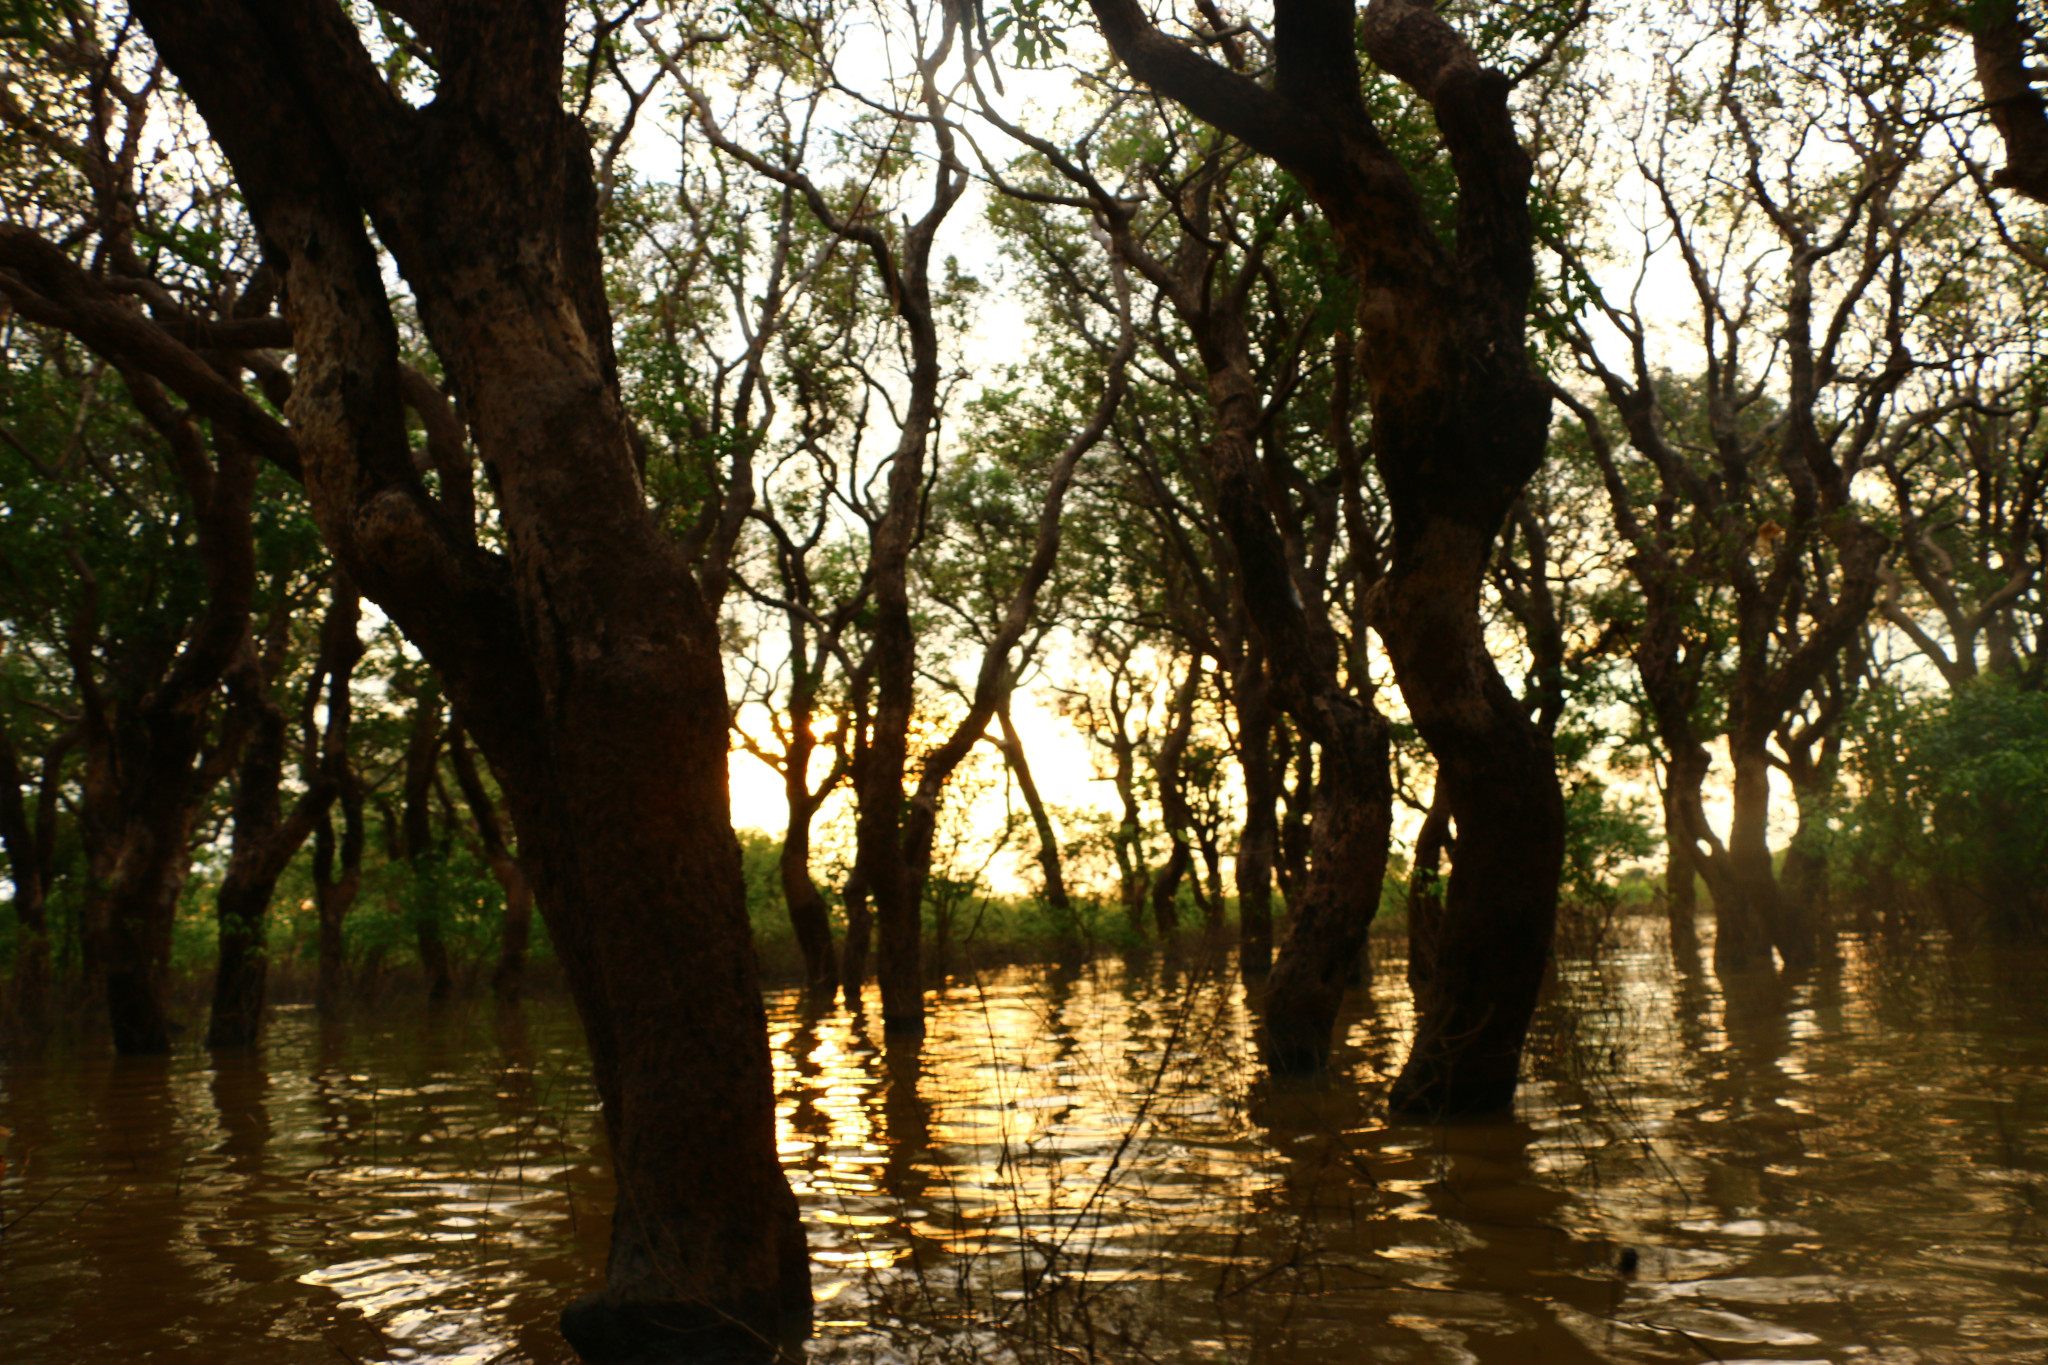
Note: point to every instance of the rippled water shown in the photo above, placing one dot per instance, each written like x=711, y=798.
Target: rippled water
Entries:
x=1852, y=1171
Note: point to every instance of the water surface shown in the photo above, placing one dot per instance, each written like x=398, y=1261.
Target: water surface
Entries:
x=1085, y=1163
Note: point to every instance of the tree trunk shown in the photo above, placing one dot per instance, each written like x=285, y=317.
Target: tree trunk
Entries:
x=242, y=905
x=1681, y=887
x=1426, y=896
x=582, y=652
x=1749, y=851
x=860, y=921
x=809, y=916
x=152, y=760
x=333, y=896
x=265, y=838
x=31, y=844
x=1173, y=804
x=142, y=907
x=1499, y=780
x=424, y=857
x=1327, y=929
x=1261, y=837
x=1055, y=887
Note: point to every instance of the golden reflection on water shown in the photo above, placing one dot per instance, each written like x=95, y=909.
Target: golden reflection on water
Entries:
x=1083, y=1161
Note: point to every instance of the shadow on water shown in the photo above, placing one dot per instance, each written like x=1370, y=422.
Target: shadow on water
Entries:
x=1079, y=1163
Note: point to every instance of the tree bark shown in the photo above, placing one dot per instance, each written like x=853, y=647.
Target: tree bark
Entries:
x=585, y=656
x=1460, y=424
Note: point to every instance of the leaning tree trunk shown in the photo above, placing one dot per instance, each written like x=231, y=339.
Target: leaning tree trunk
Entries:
x=580, y=648
x=1460, y=423
x=266, y=838
x=1173, y=804
x=1055, y=891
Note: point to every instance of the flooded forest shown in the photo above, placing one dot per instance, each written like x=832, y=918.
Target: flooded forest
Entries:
x=1023, y=681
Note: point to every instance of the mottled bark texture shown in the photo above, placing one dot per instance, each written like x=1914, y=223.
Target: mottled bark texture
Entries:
x=1460, y=420
x=583, y=657
x=2001, y=41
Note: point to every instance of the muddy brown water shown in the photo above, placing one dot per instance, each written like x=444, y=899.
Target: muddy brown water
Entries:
x=1082, y=1165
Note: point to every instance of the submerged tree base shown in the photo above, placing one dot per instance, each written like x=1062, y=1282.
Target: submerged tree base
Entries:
x=760, y=1331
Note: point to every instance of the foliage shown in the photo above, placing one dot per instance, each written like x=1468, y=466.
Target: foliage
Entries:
x=1955, y=803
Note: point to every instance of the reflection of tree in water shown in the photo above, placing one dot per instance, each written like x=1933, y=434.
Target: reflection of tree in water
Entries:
x=138, y=1276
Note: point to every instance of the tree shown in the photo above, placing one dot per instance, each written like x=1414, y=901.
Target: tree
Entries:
x=267, y=837
x=578, y=644
x=1460, y=417
x=1811, y=298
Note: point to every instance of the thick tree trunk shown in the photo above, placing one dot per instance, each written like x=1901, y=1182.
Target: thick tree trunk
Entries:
x=1803, y=877
x=1783, y=926
x=1499, y=780
x=583, y=655
x=142, y=907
